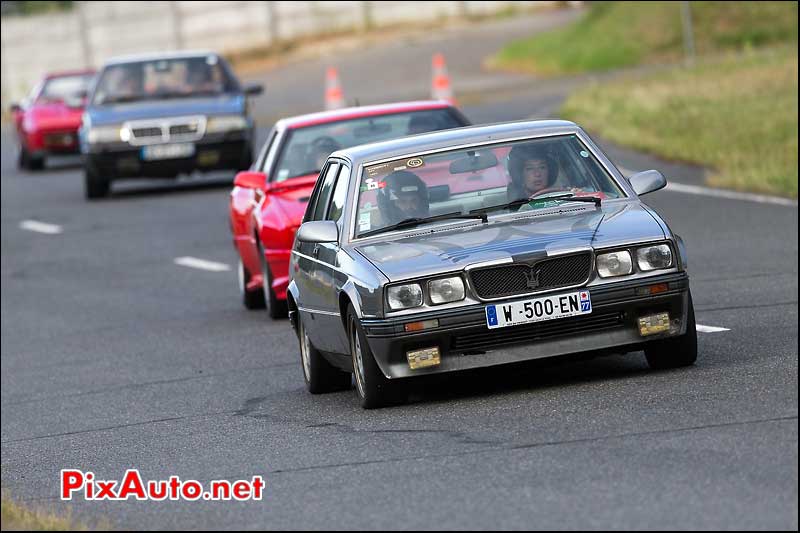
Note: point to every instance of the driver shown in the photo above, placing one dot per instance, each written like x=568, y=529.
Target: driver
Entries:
x=320, y=149
x=532, y=170
x=404, y=196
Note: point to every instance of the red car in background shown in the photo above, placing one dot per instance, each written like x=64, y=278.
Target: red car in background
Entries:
x=268, y=202
x=47, y=122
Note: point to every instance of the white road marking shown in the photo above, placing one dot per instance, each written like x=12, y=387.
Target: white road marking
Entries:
x=710, y=329
x=673, y=186
x=202, y=264
x=40, y=227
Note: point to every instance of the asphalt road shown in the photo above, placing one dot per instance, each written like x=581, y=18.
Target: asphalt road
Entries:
x=115, y=357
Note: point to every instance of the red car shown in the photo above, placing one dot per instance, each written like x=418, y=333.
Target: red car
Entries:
x=48, y=121
x=268, y=202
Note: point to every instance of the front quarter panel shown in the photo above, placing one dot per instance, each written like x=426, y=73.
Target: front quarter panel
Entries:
x=364, y=284
x=243, y=201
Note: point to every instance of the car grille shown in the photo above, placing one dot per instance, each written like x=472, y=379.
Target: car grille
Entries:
x=174, y=129
x=183, y=129
x=487, y=339
x=62, y=139
x=142, y=133
x=510, y=280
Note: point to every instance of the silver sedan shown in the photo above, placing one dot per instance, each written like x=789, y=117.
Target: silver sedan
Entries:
x=481, y=246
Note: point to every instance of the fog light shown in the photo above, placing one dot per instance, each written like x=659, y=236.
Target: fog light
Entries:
x=419, y=326
x=652, y=324
x=208, y=158
x=423, y=358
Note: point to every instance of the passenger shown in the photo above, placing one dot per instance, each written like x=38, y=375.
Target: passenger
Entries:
x=404, y=196
x=198, y=79
x=532, y=170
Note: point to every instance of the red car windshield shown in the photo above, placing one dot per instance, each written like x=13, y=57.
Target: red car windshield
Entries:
x=64, y=88
x=306, y=149
x=163, y=78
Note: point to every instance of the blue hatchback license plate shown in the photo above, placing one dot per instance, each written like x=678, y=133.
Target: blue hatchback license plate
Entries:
x=167, y=151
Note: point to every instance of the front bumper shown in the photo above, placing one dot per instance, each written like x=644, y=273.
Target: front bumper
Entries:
x=53, y=142
x=232, y=151
x=465, y=341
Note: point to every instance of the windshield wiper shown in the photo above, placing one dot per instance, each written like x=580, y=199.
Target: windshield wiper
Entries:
x=123, y=99
x=410, y=222
x=191, y=94
x=522, y=201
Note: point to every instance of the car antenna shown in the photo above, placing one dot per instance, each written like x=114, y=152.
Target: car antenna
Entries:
x=356, y=104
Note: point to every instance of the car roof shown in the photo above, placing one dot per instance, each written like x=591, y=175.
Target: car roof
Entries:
x=451, y=138
x=348, y=113
x=67, y=73
x=154, y=56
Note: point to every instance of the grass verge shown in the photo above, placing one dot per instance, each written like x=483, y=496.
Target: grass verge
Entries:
x=622, y=34
x=737, y=115
x=17, y=517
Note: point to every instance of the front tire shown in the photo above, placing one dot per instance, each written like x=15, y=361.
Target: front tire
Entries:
x=320, y=376
x=276, y=308
x=250, y=299
x=373, y=388
x=26, y=161
x=95, y=186
x=678, y=351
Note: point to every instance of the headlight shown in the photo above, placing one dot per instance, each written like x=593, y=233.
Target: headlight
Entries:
x=226, y=123
x=654, y=257
x=104, y=134
x=404, y=296
x=446, y=290
x=614, y=264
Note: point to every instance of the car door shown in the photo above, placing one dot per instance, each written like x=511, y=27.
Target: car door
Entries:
x=309, y=275
x=246, y=204
x=329, y=276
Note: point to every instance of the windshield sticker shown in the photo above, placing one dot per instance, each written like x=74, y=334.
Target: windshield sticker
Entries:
x=584, y=153
x=364, y=221
x=392, y=166
x=370, y=185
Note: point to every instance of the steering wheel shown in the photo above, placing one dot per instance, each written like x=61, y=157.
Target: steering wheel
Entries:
x=549, y=190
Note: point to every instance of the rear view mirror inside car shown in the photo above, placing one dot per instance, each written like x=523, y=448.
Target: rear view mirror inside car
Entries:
x=473, y=162
x=372, y=129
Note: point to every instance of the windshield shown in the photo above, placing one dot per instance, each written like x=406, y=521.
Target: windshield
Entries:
x=163, y=78
x=484, y=178
x=64, y=88
x=306, y=149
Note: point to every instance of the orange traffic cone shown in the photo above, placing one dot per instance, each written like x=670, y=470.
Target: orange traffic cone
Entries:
x=333, y=90
x=440, y=88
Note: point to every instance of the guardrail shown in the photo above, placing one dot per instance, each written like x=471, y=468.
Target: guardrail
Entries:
x=94, y=31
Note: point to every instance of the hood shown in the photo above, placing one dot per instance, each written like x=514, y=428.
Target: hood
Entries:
x=55, y=115
x=521, y=239
x=174, y=107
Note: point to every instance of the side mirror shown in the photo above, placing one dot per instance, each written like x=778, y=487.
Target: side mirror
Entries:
x=251, y=180
x=253, y=89
x=318, y=231
x=647, y=181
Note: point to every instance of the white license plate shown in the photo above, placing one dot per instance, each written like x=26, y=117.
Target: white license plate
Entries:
x=167, y=151
x=538, y=309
